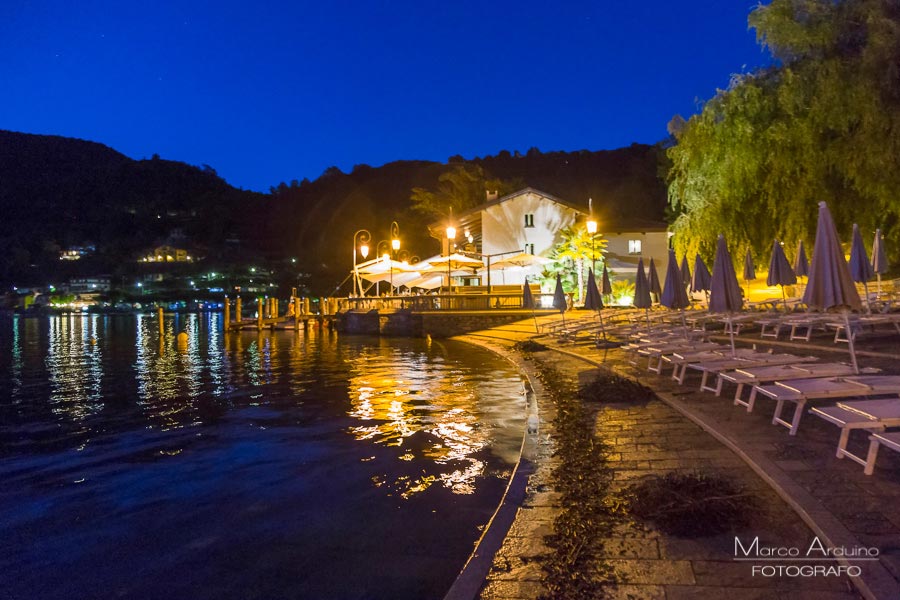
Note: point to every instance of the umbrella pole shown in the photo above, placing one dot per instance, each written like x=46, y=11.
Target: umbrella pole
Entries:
x=602, y=327
x=731, y=335
x=647, y=314
x=850, y=343
x=784, y=299
x=878, y=275
x=866, y=288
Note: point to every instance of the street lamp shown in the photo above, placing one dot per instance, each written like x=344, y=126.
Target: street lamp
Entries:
x=395, y=246
x=362, y=237
x=592, y=229
x=451, y=235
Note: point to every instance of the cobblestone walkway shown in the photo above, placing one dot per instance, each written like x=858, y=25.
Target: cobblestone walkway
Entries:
x=655, y=438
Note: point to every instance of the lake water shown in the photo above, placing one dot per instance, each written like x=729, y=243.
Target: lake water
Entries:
x=271, y=465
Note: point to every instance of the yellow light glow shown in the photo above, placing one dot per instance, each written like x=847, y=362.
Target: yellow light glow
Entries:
x=395, y=244
x=451, y=232
x=592, y=226
x=364, y=250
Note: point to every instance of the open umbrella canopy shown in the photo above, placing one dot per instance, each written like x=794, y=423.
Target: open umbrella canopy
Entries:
x=685, y=271
x=440, y=264
x=724, y=291
x=674, y=294
x=860, y=269
x=830, y=284
x=642, y=288
x=592, y=299
x=701, y=280
x=655, y=288
x=749, y=267
x=427, y=281
x=780, y=271
x=559, y=297
x=879, y=259
x=522, y=259
x=605, y=285
x=801, y=265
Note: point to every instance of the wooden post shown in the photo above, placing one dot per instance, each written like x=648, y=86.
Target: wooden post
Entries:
x=275, y=304
x=227, y=315
x=322, y=306
x=296, y=301
x=237, y=310
x=162, y=323
x=259, y=313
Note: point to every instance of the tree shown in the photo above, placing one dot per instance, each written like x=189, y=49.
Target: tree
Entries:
x=822, y=124
x=573, y=257
x=458, y=190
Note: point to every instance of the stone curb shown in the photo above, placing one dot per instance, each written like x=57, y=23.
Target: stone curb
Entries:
x=471, y=578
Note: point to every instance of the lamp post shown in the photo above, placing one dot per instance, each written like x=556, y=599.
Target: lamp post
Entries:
x=362, y=237
x=451, y=235
x=395, y=246
x=592, y=229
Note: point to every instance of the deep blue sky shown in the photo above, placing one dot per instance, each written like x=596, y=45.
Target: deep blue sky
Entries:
x=272, y=91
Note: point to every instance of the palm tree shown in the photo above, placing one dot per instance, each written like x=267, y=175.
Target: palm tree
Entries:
x=576, y=251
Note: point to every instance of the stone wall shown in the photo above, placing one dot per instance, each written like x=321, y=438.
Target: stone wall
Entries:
x=405, y=323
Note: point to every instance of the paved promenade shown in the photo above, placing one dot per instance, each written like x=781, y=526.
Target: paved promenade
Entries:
x=802, y=490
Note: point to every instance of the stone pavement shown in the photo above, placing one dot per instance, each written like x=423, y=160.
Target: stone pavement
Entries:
x=803, y=491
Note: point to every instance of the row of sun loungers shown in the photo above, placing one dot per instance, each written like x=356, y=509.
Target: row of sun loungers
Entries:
x=864, y=400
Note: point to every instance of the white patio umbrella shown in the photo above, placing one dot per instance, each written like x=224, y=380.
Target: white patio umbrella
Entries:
x=454, y=262
x=830, y=284
x=780, y=271
x=860, y=269
x=724, y=291
x=879, y=258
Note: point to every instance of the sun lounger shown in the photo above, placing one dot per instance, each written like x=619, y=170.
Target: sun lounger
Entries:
x=661, y=352
x=801, y=391
x=760, y=359
x=888, y=440
x=681, y=360
x=806, y=369
x=871, y=415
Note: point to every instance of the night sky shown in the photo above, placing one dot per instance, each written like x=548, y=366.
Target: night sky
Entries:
x=266, y=92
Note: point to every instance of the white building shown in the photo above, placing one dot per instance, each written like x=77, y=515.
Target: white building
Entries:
x=531, y=220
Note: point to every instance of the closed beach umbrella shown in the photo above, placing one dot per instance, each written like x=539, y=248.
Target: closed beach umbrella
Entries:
x=527, y=296
x=749, y=271
x=879, y=259
x=674, y=294
x=830, y=284
x=860, y=269
x=592, y=299
x=780, y=271
x=724, y=291
x=701, y=279
x=801, y=265
x=685, y=271
x=559, y=298
x=642, y=290
x=605, y=285
x=528, y=302
x=655, y=288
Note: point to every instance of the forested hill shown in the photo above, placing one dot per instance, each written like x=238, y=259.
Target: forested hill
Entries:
x=58, y=192
x=318, y=218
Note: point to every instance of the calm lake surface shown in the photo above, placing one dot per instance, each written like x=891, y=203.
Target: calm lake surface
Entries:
x=272, y=465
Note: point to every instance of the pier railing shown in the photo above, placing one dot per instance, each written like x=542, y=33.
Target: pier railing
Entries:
x=442, y=302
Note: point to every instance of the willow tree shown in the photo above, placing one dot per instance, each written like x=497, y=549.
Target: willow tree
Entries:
x=458, y=190
x=823, y=123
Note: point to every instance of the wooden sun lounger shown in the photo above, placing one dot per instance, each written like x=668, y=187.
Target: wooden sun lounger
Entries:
x=801, y=391
x=888, y=439
x=659, y=352
x=871, y=415
x=742, y=362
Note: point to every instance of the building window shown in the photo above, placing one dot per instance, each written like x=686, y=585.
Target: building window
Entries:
x=529, y=248
x=529, y=220
x=634, y=246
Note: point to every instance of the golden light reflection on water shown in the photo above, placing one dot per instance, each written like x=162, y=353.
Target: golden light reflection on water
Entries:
x=426, y=410
x=74, y=366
